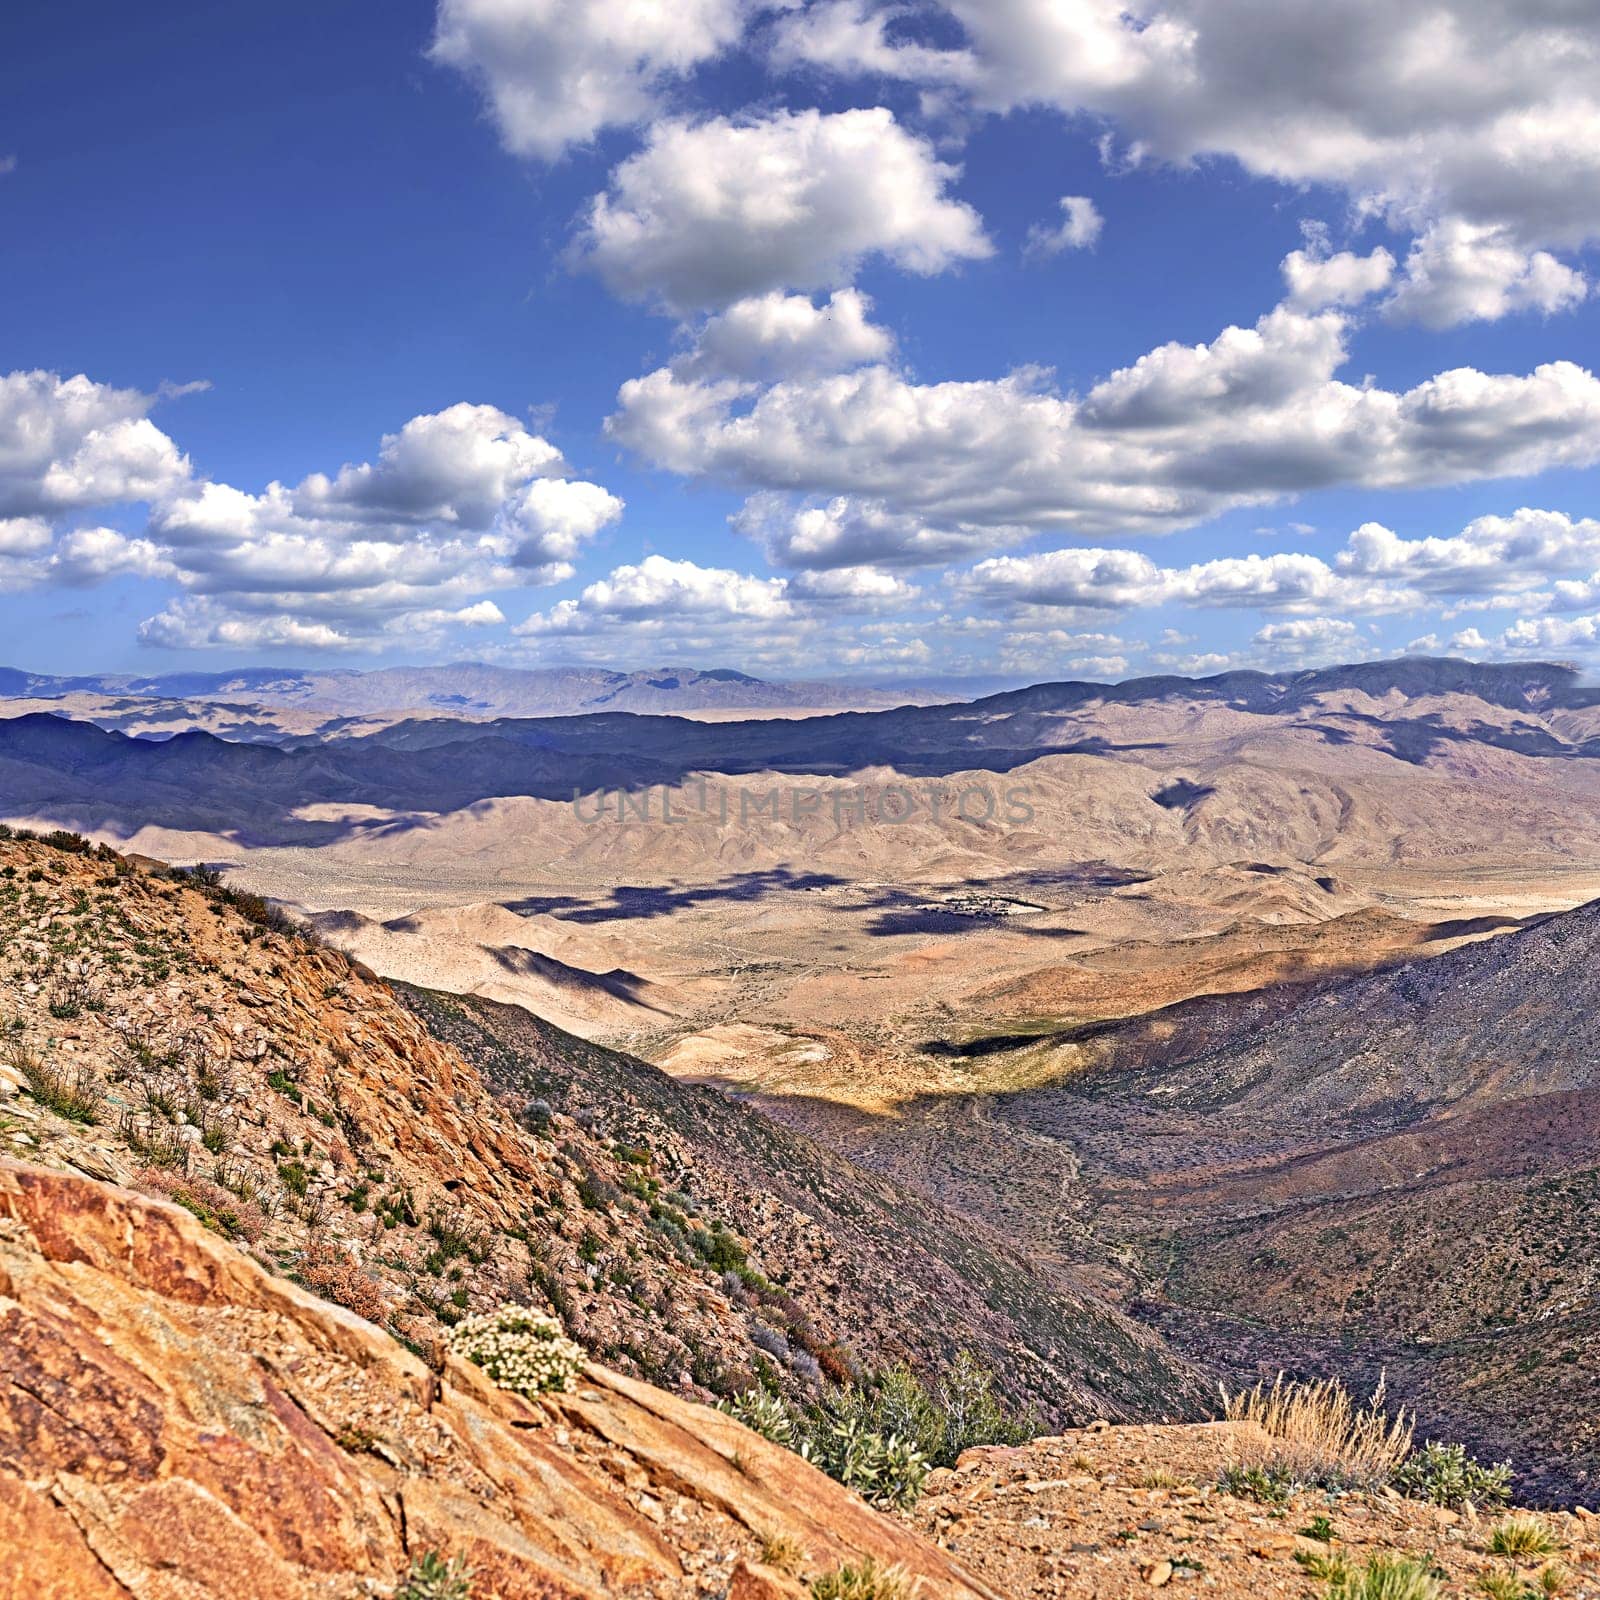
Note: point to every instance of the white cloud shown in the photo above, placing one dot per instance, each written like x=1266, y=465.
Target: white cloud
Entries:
x=1186, y=432
x=1309, y=640
x=712, y=212
x=659, y=588
x=777, y=335
x=1491, y=555
x=1487, y=110
x=200, y=624
x=70, y=443
x=1461, y=272
x=847, y=532
x=853, y=588
x=555, y=72
x=1317, y=279
x=456, y=502
x=1079, y=228
x=1117, y=580
x=457, y=466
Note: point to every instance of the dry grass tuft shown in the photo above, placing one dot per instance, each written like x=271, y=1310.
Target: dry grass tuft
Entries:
x=784, y=1552
x=1320, y=1435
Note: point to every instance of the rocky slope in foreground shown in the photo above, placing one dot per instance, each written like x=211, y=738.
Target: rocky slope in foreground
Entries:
x=177, y=1424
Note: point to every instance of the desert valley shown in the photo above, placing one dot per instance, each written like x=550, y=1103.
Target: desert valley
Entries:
x=1253, y=1040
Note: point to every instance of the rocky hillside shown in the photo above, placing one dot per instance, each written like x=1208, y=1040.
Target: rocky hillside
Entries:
x=169, y=1035
x=178, y=1424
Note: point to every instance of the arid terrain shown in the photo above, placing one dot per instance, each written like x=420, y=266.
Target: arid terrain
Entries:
x=1249, y=1010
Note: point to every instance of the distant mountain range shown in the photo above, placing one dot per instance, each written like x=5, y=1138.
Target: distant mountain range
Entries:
x=468, y=689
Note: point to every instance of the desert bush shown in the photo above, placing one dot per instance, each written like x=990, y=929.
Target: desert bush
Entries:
x=211, y=1204
x=881, y=1438
x=960, y=1412
x=520, y=1349
x=1318, y=1435
x=433, y=1578
x=1521, y=1536
x=1386, y=1578
x=882, y=1468
x=336, y=1275
x=864, y=1580
x=1447, y=1476
x=71, y=1091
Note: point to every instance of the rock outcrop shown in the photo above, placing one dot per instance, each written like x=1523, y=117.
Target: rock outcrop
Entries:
x=176, y=1423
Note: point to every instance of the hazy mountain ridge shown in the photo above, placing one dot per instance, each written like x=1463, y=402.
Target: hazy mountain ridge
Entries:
x=463, y=689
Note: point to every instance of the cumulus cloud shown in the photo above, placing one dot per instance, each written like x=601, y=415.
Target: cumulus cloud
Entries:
x=455, y=503
x=1492, y=555
x=712, y=212
x=1310, y=641
x=71, y=443
x=847, y=532
x=1117, y=580
x=456, y=466
x=659, y=588
x=1318, y=278
x=1080, y=226
x=787, y=335
x=1486, y=110
x=1184, y=433
x=555, y=72
x=1462, y=272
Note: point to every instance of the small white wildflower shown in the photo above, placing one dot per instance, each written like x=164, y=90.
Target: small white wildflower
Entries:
x=521, y=1349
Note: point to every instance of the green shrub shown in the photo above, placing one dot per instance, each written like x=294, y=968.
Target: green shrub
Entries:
x=433, y=1578
x=1386, y=1578
x=1522, y=1536
x=72, y=1092
x=1447, y=1476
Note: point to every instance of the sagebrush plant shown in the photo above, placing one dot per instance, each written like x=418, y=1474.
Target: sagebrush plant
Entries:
x=520, y=1349
x=1386, y=1578
x=865, y=1580
x=433, y=1578
x=1318, y=1435
x=1446, y=1475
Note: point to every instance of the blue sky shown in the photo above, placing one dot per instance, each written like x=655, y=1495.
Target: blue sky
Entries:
x=730, y=333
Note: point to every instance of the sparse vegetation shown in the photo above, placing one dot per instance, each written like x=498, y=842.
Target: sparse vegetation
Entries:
x=70, y=1090
x=1521, y=1536
x=433, y=1578
x=783, y=1552
x=863, y=1580
x=1447, y=1476
x=1386, y=1577
x=881, y=1438
x=336, y=1275
x=1317, y=1435
x=520, y=1349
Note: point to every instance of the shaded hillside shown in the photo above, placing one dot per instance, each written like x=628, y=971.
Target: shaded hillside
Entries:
x=906, y=1275
x=170, y=1036
x=1389, y=763
x=1482, y=1024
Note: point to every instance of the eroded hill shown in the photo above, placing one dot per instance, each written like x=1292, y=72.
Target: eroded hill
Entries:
x=169, y=1035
